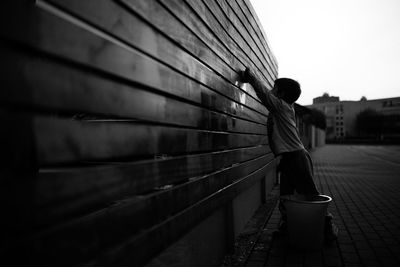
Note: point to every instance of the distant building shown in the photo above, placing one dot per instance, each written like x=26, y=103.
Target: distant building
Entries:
x=341, y=115
x=325, y=98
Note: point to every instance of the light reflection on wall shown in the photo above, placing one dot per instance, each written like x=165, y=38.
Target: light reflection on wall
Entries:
x=242, y=95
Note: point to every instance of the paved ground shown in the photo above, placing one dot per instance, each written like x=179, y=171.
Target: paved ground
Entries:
x=364, y=182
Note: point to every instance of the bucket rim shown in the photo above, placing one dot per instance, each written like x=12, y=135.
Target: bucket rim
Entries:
x=287, y=198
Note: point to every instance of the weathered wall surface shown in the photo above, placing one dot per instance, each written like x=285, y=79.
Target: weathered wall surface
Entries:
x=124, y=128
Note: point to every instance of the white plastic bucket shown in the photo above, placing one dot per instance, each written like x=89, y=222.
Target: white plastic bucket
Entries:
x=306, y=220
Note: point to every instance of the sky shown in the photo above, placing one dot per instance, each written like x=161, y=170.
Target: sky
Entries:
x=346, y=48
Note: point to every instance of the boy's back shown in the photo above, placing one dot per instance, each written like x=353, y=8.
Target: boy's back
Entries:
x=282, y=130
x=295, y=164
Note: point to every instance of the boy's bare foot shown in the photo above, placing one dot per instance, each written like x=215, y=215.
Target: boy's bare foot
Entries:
x=331, y=232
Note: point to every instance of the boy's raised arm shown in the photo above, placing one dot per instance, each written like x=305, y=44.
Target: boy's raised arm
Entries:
x=271, y=102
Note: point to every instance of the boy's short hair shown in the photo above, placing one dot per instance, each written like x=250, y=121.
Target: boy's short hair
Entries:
x=290, y=89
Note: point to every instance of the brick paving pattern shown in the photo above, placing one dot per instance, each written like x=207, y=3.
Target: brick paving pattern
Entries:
x=364, y=182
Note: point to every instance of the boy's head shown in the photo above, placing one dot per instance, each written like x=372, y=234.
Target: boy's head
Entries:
x=287, y=89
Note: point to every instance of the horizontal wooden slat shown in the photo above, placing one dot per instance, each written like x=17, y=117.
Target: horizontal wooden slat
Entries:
x=63, y=193
x=219, y=33
x=84, y=44
x=241, y=23
x=97, y=12
x=60, y=88
x=214, y=57
x=236, y=37
x=246, y=5
x=258, y=28
x=195, y=23
x=215, y=19
x=160, y=236
x=86, y=237
x=248, y=26
x=65, y=140
x=233, y=20
x=16, y=139
x=155, y=14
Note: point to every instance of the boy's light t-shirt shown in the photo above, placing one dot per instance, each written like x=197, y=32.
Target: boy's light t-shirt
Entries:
x=283, y=135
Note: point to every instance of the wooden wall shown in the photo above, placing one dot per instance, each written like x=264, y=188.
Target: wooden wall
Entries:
x=123, y=125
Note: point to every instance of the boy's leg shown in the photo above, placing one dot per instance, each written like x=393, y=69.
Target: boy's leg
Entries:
x=304, y=183
x=299, y=172
x=331, y=230
x=286, y=187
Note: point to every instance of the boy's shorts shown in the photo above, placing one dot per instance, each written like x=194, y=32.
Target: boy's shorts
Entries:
x=297, y=173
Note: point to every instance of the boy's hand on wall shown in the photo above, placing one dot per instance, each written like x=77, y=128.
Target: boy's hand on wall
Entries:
x=246, y=75
x=242, y=78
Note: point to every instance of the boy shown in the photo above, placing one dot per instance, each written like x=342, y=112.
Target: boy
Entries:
x=295, y=164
